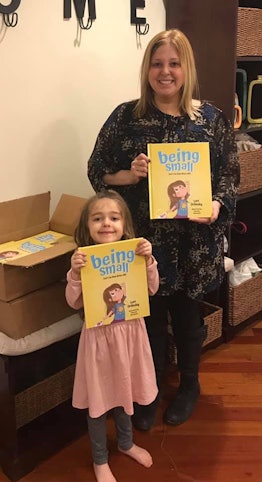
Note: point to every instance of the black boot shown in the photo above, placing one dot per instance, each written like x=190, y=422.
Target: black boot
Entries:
x=144, y=415
x=188, y=355
x=182, y=407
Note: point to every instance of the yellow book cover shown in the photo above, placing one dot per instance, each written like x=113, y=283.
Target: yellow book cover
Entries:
x=114, y=283
x=179, y=180
x=33, y=244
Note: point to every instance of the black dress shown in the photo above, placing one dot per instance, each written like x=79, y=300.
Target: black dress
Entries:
x=189, y=255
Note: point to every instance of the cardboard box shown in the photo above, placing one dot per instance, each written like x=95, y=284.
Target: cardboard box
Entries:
x=28, y=216
x=36, y=310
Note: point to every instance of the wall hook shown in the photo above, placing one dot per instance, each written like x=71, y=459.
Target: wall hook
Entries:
x=138, y=21
x=10, y=19
x=139, y=31
x=87, y=26
x=80, y=6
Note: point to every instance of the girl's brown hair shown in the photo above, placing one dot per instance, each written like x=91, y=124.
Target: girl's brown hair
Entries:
x=82, y=234
x=170, y=191
x=180, y=42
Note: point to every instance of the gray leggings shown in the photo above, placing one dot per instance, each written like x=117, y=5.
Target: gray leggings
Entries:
x=98, y=435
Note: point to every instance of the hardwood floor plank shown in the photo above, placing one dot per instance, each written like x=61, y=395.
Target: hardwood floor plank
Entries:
x=219, y=427
x=236, y=367
x=234, y=352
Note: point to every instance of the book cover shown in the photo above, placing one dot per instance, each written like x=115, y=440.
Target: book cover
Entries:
x=114, y=283
x=33, y=244
x=179, y=180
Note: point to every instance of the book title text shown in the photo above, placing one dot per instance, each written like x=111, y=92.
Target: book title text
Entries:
x=179, y=161
x=114, y=262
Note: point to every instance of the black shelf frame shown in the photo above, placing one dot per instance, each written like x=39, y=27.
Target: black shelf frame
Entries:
x=249, y=58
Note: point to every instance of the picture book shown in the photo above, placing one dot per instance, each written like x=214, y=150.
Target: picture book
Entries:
x=179, y=180
x=114, y=283
x=33, y=244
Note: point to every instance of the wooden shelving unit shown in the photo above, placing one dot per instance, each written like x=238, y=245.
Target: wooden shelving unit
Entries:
x=212, y=30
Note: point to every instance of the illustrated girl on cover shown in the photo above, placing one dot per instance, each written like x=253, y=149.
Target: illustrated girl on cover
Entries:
x=114, y=297
x=114, y=365
x=178, y=192
x=8, y=254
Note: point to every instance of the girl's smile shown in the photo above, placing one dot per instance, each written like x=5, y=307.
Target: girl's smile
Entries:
x=105, y=222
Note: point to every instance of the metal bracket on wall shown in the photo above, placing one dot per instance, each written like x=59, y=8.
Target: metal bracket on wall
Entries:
x=138, y=21
x=92, y=16
x=10, y=19
x=87, y=26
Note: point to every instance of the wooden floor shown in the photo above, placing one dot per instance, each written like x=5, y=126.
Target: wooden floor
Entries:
x=222, y=442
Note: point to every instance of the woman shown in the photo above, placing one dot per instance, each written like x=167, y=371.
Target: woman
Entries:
x=189, y=252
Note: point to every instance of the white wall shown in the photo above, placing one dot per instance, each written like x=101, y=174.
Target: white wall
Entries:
x=57, y=86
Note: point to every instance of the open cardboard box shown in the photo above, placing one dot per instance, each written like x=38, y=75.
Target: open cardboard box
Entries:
x=26, y=217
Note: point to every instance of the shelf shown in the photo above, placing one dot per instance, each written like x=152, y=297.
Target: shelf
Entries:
x=247, y=195
x=250, y=3
x=240, y=252
x=230, y=331
x=23, y=448
x=245, y=127
x=250, y=58
x=247, y=245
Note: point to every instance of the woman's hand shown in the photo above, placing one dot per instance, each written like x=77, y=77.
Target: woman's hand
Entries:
x=139, y=168
x=125, y=177
x=78, y=261
x=215, y=213
x=144, y=248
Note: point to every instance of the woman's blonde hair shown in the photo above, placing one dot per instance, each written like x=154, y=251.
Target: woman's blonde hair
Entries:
x=82, y=234
x=188, y=104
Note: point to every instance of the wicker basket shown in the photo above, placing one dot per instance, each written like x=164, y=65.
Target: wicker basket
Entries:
x=250, y=170
x=249, y=32
x=212, y=315
x=245, y=300
x=43, y=396
x=213, y=320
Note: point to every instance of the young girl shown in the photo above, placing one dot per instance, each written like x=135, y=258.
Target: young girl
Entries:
x=114, y=363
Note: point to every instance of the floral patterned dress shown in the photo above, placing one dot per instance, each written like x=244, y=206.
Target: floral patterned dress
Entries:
x=189, y=254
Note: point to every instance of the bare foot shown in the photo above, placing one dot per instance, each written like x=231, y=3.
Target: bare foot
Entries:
x=103, y=473
x=142, y=456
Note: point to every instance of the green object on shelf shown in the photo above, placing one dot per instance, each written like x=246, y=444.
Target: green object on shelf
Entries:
x=254, y=101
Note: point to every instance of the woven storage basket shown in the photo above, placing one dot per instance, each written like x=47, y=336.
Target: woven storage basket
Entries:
x=249, y=32
x=43, y=396
x=245, y=300
x=213, y=320
x=250, y=170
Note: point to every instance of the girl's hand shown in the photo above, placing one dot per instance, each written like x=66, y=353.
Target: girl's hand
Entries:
x=78, y=261
x=144, y=248
x=215, y=213
x=139, y=168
